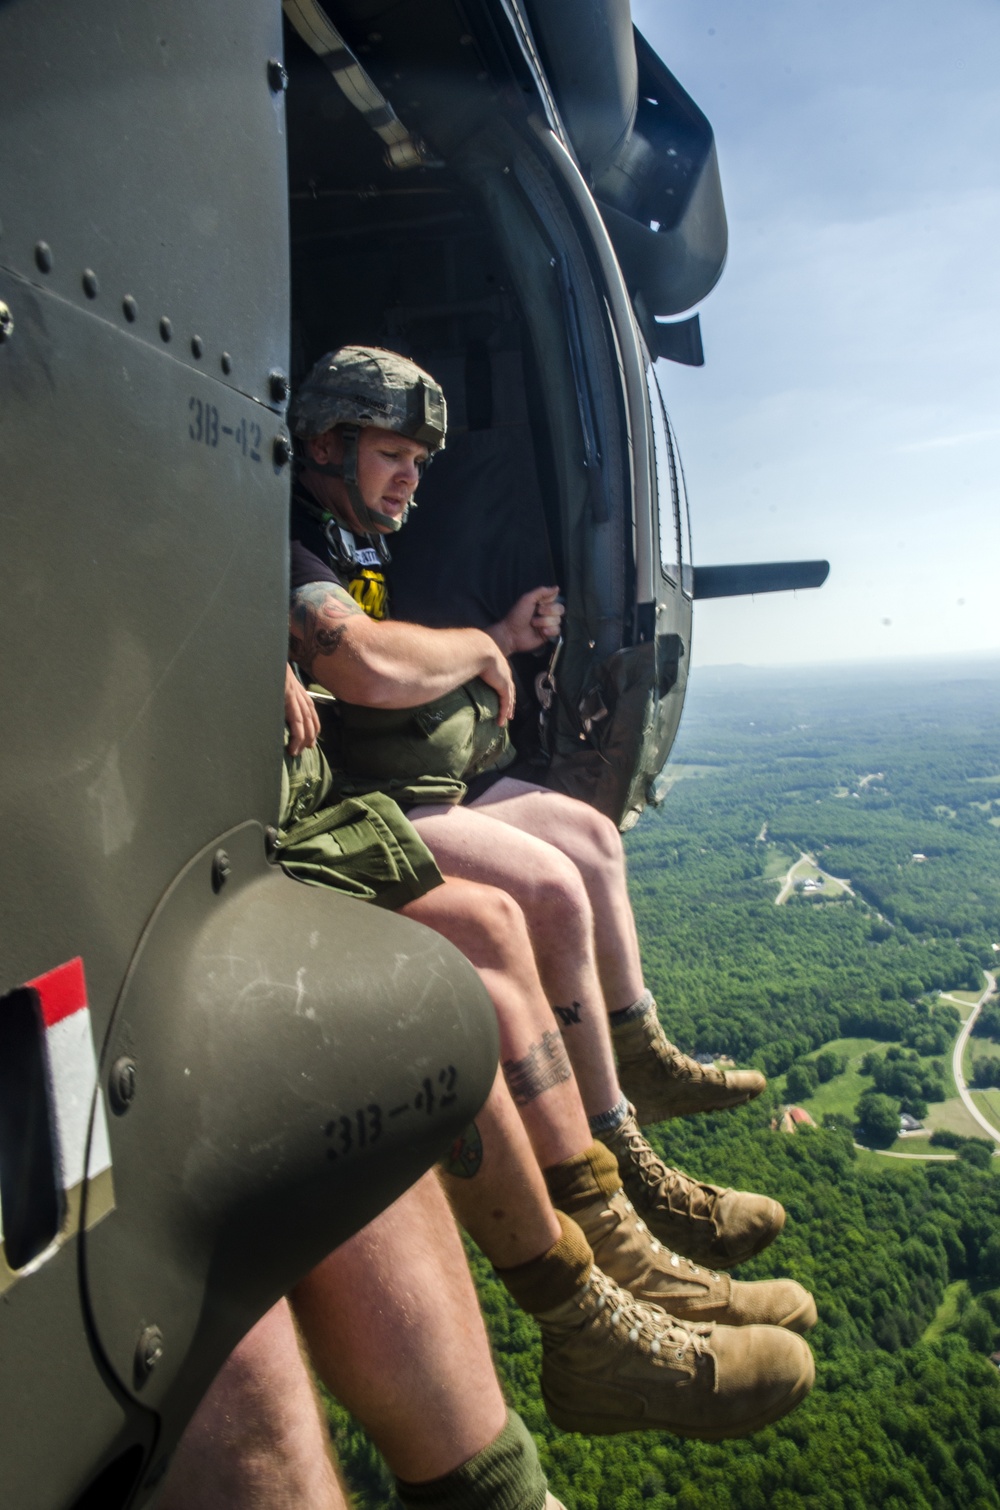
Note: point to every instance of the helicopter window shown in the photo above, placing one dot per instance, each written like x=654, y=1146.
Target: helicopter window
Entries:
x=683, y=514
x=675, y=531
x=667, y=486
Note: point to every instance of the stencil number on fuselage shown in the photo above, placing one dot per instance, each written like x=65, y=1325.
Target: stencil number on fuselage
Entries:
x=205, y=428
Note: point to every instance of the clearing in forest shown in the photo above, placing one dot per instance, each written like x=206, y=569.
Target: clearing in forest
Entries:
x=947, y=1314
x=841, y=1095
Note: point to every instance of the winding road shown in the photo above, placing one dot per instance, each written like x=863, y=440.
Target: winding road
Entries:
x=956, y=1060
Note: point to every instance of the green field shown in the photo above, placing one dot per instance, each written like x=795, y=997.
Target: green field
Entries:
x=988, y=1103
x=978, y=1048
x=969, y=996
x=962, y=1006
x=953, y=1116
x=776, y=864
x=947, y=1313
x=840, y=1094
x=680, y=772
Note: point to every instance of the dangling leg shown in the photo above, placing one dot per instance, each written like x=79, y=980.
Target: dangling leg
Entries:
x=258, y=1440
x=657, y=1078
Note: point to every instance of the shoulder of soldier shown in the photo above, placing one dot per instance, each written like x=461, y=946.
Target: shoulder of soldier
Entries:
x=309, y=549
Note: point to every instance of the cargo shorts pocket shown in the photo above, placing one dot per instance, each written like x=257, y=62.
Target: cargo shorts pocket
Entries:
x=361, y=847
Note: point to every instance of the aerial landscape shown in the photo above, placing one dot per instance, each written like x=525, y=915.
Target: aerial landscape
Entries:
x=850, y=987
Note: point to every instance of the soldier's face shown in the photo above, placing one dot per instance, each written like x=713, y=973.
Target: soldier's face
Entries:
x=388, y=472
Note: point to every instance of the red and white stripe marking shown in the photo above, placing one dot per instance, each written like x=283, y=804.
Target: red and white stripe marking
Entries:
x=72, y=1072
x=75, y=1105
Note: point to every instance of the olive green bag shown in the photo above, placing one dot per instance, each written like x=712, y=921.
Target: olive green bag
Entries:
x=426, y=754
x=363, y=847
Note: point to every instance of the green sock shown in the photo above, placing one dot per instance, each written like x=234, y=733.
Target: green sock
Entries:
x=578, y=1182
x=548, y=1281
x=506, y=1475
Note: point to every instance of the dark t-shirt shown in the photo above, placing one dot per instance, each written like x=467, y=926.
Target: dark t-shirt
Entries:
x=312, y=560
x=307, y=567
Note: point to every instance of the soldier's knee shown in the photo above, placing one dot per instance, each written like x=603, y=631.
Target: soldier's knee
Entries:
x=560, y=896
x=500, y=926
x=590, y=838
x=506, y=919
x=484, y=921
x=593, y=841
x=603, y=836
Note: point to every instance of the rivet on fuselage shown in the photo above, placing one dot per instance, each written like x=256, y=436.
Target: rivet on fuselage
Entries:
x=130, y=309
x=43, y=256
x=91, y=287
x=148, y=1352
x=197, y=346
x=226, y=363
x=121, y=1084
x=166, y=329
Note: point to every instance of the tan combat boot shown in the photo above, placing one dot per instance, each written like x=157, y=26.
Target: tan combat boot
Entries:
x=662, y=1082
x=625, y=1250
x=610, y=1364
x=704, y=1222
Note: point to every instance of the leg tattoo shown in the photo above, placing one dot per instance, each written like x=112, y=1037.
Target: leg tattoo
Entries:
x=466, y=1155
x=543, y=1066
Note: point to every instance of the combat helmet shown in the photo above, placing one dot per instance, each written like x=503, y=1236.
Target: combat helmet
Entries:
x=359, y=386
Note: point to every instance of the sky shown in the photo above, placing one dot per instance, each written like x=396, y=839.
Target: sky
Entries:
x=849, y=407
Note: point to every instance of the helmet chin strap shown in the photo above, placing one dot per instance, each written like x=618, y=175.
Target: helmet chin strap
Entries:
x=347, y=470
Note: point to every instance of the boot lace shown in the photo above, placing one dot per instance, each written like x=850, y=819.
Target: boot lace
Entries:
x=682, y=1194
x=661, y=1333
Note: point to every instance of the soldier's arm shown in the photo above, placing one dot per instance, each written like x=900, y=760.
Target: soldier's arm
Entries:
x=384, y=663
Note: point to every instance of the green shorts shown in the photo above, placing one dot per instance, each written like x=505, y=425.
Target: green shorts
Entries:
x=362, y=846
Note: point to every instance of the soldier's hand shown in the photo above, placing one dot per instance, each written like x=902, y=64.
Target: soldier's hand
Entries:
x=535, y=618
x=300, y=715
x=496, y=674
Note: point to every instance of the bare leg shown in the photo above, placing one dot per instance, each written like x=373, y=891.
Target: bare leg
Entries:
x=257, y=1441
x=489, y=928
x=393, y=1327
x=496, y=1187
x=550, y=892
x=594, y=845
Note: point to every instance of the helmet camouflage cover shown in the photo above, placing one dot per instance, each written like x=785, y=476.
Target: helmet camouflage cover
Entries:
x=367, y=386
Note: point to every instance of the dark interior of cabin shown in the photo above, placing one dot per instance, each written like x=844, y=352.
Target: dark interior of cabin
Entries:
x=407, y=261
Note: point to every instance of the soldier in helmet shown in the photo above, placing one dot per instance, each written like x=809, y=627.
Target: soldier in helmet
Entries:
x=423, y=715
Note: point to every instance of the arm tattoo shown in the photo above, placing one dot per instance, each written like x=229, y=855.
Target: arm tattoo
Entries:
x=543, y=1066
x=465, y=1156
x=318, y=621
